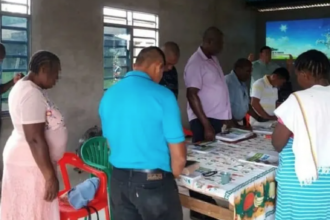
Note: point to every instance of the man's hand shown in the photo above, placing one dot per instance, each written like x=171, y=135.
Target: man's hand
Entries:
x=273, y=118
x=260, y=119
x=231, y=124
x=289, y=62
x=251, y=57
x=209, y=133
x=17, y=77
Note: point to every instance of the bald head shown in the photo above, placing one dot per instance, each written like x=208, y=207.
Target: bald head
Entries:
x=171, y=47
x=212, y=40
x=151, y=60
x=172, y=54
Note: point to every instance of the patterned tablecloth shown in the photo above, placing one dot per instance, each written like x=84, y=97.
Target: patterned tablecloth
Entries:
x=252, y=186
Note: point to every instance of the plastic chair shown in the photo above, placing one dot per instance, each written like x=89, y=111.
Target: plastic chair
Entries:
x=95, y=153
x=247, y=118
x=100, y=200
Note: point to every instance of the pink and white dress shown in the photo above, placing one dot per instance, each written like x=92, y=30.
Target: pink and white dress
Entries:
x=23, y=185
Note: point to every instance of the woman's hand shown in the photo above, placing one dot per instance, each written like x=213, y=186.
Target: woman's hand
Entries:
x=51, y=189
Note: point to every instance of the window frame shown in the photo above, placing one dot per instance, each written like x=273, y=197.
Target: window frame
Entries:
x=27, y=16
x=129, y=26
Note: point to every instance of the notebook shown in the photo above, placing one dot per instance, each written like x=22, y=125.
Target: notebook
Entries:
x=202, y=147
x=263, y=158
x=234, y=135
x=262, y=130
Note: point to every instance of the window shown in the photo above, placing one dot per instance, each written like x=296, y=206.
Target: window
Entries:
x=14, y=32
x=126, y=33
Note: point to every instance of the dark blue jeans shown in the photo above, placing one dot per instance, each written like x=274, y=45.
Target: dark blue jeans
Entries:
x=143, y=196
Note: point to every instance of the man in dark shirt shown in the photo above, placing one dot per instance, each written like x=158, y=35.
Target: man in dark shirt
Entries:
x=170, y=75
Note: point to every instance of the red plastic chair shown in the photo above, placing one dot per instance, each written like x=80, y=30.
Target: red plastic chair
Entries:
x=187, y=132
x=247, y=118
x=100, y=200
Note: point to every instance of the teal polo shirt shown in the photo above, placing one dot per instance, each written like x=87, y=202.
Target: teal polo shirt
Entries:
x=260, y=69
x=139, y=118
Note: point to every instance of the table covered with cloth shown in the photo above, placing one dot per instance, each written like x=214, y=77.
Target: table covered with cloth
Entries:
x=251, y=190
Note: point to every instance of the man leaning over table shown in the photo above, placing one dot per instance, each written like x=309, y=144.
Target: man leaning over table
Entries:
x=207, y=93
x=238, y=92
x=141, y=121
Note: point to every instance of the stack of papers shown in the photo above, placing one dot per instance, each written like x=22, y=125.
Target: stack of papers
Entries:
x=234, y=135
x=262, y=130
x=203, y=147
x=263, y=158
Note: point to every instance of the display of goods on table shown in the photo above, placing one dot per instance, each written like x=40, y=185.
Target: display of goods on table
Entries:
x=251, y=189
x=202, y=147
x=264, y=158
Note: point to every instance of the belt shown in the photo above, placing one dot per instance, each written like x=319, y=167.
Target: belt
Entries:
x=142, y=170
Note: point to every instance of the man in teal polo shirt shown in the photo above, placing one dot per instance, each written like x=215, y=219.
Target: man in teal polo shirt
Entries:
x=141, y=121
x=264, y=65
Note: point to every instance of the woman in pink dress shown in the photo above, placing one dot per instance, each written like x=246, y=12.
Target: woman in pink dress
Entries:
x=38, y=141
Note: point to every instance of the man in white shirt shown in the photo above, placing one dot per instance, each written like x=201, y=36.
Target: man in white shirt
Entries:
x=264, y=95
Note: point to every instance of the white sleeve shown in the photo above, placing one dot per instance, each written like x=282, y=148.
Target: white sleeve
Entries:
x=288, y=112
x=257, y=89
x=33, y=108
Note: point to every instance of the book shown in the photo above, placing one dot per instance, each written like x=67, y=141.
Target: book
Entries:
x=234, y=135
x=190, y=179
x=262, y=130
x=202, y=147
x=263, y=158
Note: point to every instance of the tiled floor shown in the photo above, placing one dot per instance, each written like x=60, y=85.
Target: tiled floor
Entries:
x=77, y=178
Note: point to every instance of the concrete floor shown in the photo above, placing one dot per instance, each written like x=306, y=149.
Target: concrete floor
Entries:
x=76, y=178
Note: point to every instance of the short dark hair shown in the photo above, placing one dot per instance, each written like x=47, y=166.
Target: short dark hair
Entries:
x=315, y=62
x=241, y=63
x=173, y=47
x=149, y=55
x=282, y=73
x=265, y=48
x=2, y=49
x=210, y=33
x=41, y=58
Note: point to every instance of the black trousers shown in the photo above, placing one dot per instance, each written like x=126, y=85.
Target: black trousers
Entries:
x=143, y=196
x=198, y=135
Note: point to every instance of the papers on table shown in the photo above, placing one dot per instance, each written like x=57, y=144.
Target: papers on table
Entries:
x=203, y=147
x=190, y=167
x=264, y=158
x=262, y=130
x=234, y=135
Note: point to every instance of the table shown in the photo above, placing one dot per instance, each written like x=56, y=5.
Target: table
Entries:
x=251, y=192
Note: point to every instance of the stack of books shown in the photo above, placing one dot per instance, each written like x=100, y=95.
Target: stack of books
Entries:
x=262, y=130
x=202, y=147
x=234, y=135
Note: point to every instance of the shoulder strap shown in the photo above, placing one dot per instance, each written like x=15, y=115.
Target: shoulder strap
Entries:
x=96, y=212
x=306, y=125
x=89, y=212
